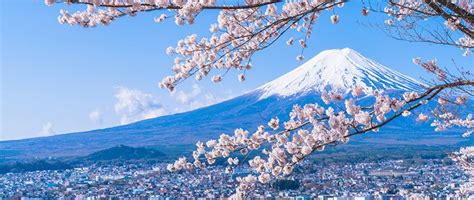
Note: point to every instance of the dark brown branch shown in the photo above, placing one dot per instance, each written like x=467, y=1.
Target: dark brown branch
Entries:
x=175, y=7
x=284, y=23
x=429, y=94
x=464, y=14
x=433, y=5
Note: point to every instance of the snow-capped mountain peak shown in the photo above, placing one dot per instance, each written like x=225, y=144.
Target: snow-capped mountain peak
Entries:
x=341, y=70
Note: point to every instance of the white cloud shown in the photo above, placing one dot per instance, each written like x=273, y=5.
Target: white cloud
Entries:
x=96, y=116
x=134, y=105
x=187, y=97
x=47, y=130
x=196, y=98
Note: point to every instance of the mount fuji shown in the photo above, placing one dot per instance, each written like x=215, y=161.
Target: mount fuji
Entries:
x=338, y=69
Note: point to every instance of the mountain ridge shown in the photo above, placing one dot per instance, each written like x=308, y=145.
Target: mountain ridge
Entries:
x=174, y=134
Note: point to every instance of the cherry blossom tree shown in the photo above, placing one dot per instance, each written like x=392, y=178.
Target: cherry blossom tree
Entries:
x=244, y=28
x=443, y=22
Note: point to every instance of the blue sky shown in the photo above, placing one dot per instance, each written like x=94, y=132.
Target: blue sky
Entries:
x=58, y=79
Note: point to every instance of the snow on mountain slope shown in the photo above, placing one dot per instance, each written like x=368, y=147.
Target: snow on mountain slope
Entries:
x=341, y=70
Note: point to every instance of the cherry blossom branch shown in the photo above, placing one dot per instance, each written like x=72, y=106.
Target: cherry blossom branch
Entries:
x=163, y=5
x=460, y=12
x=430, y=94
x=416, y=21
x=244, y=29
x=433, y=4
x=236, y=45
x=328, y=128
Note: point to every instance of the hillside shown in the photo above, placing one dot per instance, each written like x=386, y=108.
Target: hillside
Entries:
x=173, y=135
